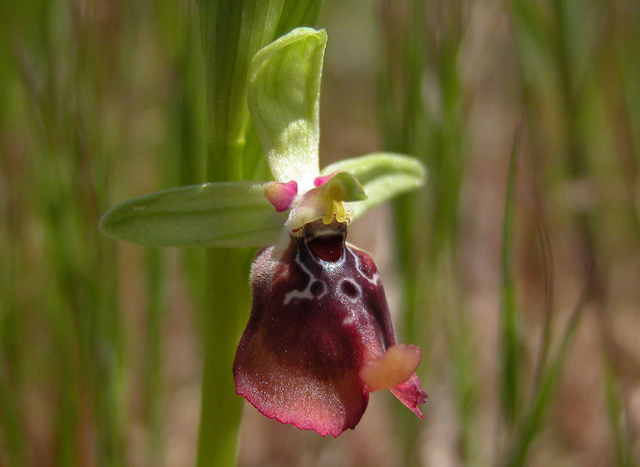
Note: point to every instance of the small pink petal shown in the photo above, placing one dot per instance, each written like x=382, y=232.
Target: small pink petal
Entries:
x=322, y=180
x=281, y=195
x=394, y=367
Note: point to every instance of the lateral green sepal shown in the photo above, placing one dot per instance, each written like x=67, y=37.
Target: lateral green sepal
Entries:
x=228, y=214
x=382, y=176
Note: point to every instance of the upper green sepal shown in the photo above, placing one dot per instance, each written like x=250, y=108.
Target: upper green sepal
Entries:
x=343, y=186
x=229, y=214
x=382, y=176
x=284, y=100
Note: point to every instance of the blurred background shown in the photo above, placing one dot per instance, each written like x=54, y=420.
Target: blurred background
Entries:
x=516, y=269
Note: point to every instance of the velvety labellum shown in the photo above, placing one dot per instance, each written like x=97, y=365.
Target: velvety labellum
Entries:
x=320, y=324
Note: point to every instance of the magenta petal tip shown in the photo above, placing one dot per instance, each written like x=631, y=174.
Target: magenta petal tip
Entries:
x=281, y=195
x=319, y=181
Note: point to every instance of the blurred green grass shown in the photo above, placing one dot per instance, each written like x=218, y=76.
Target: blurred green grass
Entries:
x=100, y=343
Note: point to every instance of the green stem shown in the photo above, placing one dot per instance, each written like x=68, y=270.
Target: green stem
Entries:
x=227, y=301
x=154, y=367
x=232, y=32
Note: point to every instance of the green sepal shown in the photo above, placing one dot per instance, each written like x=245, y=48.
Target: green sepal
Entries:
x=227, y=214
x=284, y=100
x=343, y=186
x=295, y=13
x=382, y=176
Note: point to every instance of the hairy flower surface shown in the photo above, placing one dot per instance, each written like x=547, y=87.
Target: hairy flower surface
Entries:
x=319, y=321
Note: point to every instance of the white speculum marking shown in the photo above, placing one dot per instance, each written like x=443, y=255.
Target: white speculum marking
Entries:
x=376, y=277
x=305, y=294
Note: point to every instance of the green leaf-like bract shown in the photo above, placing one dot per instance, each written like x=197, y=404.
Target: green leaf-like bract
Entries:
x=229, y=214
x=283, y=97
x=232, y=32
x=382, y=175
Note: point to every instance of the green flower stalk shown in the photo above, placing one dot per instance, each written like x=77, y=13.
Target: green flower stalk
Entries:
x=301, y=217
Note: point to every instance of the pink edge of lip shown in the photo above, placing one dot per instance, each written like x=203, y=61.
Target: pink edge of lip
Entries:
x=285, y=421
x=318, y=181
x=281, y=195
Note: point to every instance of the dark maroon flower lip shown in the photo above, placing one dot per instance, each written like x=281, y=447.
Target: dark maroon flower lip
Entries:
x=320, y=338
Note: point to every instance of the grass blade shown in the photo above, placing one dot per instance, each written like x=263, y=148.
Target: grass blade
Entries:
x=531, y=422
x=510, y=326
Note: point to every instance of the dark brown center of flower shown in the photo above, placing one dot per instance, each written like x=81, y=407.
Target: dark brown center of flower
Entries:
x=328, y=248
x=326, y=242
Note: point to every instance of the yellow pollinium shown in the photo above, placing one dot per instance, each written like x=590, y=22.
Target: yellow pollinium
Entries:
x=339, y=188
x=327, y=202
x=337, y=209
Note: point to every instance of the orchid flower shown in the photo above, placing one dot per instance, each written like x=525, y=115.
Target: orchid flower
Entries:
x=320, y=337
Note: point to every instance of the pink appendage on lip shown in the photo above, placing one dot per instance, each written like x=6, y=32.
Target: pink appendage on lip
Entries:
x=281, y=195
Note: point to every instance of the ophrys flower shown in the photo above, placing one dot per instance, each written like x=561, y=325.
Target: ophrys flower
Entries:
x=320, y=337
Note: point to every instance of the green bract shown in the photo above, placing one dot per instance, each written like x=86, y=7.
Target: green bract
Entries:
x=283, y=98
